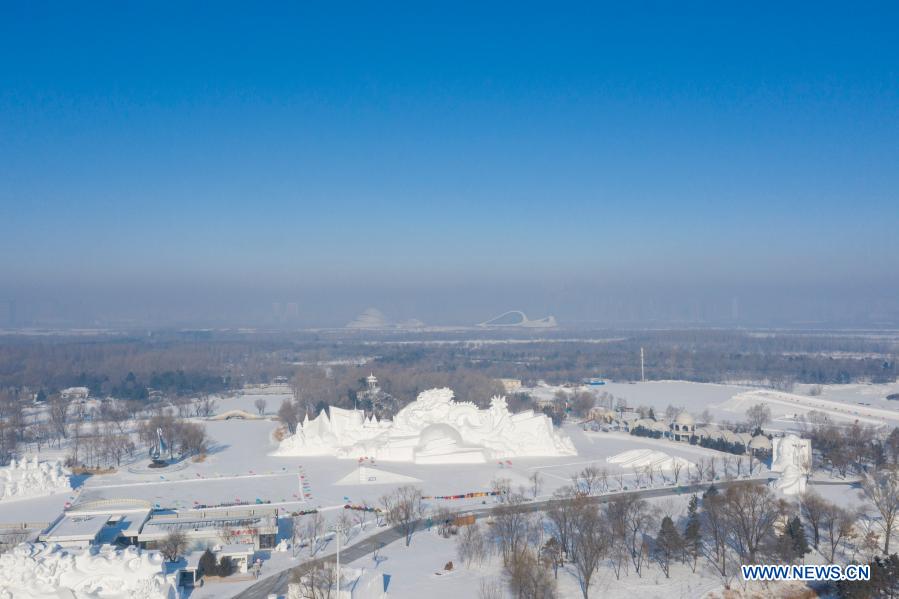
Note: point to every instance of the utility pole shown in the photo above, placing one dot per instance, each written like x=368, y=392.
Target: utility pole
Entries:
x=642, y=372
x=338, y=529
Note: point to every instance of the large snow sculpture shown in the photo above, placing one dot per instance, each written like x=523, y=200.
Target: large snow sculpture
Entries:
x=31, y=478
x=41, y=571
x=433, y=429
x=792, y=458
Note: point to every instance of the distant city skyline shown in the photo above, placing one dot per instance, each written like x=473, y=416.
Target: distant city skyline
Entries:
x=612, y=164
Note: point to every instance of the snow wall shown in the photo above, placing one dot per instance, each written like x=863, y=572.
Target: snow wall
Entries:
x=33, y=478
x=42, y=571
x=433, y=429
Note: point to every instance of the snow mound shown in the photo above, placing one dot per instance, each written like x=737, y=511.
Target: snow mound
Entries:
x=642, y=458
x=792, y=458
x=433, y=429
x=33, y=478
x=375, y=476
x=41, y=571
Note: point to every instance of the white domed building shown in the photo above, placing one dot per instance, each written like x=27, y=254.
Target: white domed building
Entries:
x=683, y=427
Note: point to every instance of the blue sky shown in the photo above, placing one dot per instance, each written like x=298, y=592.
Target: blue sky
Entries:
x=301, y=147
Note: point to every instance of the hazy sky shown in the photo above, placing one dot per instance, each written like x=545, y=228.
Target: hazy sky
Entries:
x=166, y=162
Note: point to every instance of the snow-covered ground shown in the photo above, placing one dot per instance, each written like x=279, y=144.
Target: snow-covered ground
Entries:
x=418, y=571
x=240, y=468
x=842, y=403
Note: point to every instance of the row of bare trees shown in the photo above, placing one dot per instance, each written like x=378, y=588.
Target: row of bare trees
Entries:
x=743, y=524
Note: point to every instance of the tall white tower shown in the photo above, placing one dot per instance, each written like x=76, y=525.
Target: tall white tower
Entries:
x=642, y=372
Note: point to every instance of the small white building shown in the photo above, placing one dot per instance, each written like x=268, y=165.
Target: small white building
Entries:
x=683, y=427
x=75, y=393
x=240, y=554
x=75, y=530
x=511, y=385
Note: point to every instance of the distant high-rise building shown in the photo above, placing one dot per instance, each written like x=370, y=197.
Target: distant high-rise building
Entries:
x=11, y=313
x=291, y=310
x=734, y=309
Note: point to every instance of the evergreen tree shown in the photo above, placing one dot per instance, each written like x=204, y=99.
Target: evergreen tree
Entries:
x=792, y=543
x=693, y=532
x=207, y=565
x=668, y=544
x=797, y=533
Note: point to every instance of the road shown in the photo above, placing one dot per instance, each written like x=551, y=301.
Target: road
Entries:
x=277, y=583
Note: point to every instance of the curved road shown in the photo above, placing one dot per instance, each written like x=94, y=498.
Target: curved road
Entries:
x=277, y=583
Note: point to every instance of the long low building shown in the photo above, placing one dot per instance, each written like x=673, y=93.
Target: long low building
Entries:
x=99, y=524
x=208, y=528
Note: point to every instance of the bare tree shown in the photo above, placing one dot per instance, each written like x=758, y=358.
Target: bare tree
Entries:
x=316, y=580
x=758, y=416
x=404, y=509
x=813, y=507
x=587, y=480
x=314, y=531
x=471, y=545
x=751, y=510
x=715, y=529
x=58, y=413
x=536, y=482
x=636, y=519
x=561, y=518
x=173, y=545
x=882, y=487
x=260, y=405
x=491, y=588
x=444, y=518
x=205, y=406
x=528, y=577
x=344, y=526
x=590, y=543
x=289, y=416
x=837, y=526
x=501, y=488
x=700, y=468
x=676, y=469
x=510, y=527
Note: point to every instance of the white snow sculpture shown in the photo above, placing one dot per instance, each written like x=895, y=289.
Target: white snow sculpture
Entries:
x=643, y=458
x=433, y=429
x=792, y=458
x=33, y=478
x=39, y=571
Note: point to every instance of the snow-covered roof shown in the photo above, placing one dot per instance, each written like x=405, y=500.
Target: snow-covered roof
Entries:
x=237, y=549
x=760, y=442
x=684, y=419
x=75, y=528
